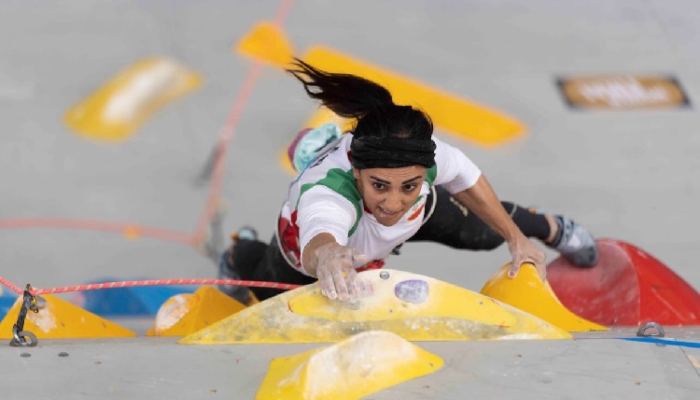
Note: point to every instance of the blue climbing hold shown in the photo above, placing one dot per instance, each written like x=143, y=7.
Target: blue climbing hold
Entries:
x=138, y=301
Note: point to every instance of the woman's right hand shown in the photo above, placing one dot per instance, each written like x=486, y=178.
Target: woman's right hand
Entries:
x=336, y=272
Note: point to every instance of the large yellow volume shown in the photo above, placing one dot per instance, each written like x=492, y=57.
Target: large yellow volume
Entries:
x=416, y=307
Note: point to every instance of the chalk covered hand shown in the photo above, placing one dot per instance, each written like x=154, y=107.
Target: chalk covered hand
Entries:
x=336, y=272
x=524, y=251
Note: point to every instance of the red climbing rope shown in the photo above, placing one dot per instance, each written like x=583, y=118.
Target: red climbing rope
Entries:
x=151, y=282
x=11, y=286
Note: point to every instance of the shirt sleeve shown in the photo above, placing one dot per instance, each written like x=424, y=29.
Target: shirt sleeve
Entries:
x=322, y=210
x=454, y=169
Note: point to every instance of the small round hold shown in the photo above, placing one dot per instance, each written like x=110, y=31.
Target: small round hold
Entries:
x=63, y=354
x=412, y=290
x=642, y=330
x=384, y=275
x=25, y=355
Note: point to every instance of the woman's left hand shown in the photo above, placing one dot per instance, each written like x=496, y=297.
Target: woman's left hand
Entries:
x=524, y=251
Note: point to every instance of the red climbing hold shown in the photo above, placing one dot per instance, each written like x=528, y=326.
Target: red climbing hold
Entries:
x=627, y=287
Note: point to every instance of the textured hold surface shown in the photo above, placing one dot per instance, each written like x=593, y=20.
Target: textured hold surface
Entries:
x=59, y=319
x=627, y=287
x=117, y=109
x=184, y=314
x=351, y=369
x=527, y=292
x=448, y=313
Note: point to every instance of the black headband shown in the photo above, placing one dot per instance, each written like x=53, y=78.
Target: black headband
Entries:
x=391, y=152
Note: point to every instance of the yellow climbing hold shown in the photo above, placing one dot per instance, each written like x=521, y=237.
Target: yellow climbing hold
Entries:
x=413, y=306
x=59, y=319
x=352, y=369
x=442, y=300
x=527, y=292
x=117, y=109
x=187, y=313
x=267, y=42
x=456, y=115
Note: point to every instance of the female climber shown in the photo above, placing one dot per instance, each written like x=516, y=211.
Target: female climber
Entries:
x=387, y=182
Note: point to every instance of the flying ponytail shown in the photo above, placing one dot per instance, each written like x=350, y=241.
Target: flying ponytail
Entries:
x=386, y=135
x=347, y=95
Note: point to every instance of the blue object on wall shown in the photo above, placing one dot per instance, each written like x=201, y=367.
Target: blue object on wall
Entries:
x=138, y=301
x=670, y=342
x=7, y=300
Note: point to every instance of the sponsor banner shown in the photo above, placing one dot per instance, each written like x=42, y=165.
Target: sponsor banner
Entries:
x=623, y=92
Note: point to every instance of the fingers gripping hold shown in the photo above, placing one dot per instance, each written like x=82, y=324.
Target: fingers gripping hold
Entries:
x=523, y=252
x=336, y=272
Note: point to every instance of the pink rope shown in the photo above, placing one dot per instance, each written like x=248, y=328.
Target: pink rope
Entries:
x=152, y=282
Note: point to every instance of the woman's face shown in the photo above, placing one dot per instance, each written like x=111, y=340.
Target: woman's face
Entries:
x=389, y=192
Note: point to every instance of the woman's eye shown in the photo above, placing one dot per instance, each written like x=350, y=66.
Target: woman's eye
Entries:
x=378, y=186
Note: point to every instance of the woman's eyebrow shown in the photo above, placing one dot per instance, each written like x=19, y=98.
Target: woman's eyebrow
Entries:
x=411, y=180
x=389, y=183
x=380, y=180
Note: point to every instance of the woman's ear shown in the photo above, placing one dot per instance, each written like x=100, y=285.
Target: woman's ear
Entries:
x=356, y=173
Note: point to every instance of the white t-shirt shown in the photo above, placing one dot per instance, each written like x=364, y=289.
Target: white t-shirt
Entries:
x=324, y=199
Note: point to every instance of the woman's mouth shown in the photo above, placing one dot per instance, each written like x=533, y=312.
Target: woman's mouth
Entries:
x=388, y=214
